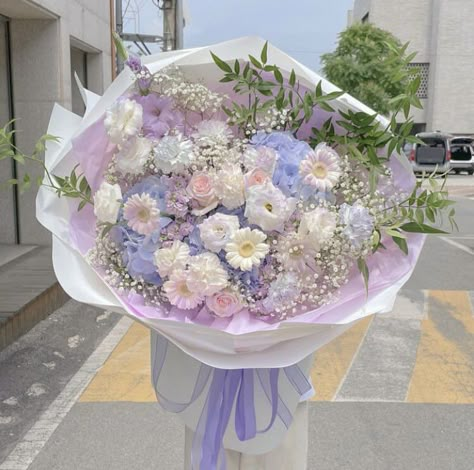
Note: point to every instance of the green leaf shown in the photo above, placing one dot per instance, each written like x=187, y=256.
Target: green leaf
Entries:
x=278, y=75
x=237, y=67
x=255, y=62
x=292, y=80
x=402, y=244
x=121, y=49
x=414, y=227
x=364, y=270
x=264, y=53
x=224, y=66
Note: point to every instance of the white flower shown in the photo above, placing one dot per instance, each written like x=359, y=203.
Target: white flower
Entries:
x=212, y=132
x=318, y=225
x=107, y=202
x=224, y=304
x=178, y=292
x=173, y=153
x=297, y=253
x=123, y=120
x=174, y=257
x=206, y=274
x=217, y=230
x=133, y=156
x=142, y=213
x=263, y=158
x=246, y=249
x=229, y=185
x=268, y=207
x=320, y=168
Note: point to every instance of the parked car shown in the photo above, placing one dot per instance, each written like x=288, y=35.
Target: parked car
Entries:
x=462, y=155
x=434, y=155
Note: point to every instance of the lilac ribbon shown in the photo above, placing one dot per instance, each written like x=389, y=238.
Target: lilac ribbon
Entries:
x=227, y=386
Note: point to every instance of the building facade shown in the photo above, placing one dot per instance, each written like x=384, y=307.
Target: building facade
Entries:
x=42, y=44
x=441, y=32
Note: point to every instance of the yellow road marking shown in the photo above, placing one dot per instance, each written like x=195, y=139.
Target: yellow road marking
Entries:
x=332, y=361
x=444, y=369
x=126, y=374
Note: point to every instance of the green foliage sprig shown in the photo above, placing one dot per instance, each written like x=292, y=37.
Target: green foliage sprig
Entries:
x=73, y=186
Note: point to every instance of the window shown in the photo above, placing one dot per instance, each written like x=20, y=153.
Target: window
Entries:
x=423, y=69
x=79, y=66
x=365, y=18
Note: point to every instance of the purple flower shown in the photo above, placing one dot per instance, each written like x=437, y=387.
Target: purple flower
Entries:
x=158, y=114
x=291, y=152
x=137, y=253
x=134, y=63
x=358, y=223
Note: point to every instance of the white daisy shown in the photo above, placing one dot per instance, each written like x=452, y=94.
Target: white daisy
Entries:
x=320, y=168
x=141, y=213
x=246, y=249
x=178, y=292
x=174, y=257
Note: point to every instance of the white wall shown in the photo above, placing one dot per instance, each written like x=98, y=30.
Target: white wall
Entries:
x=42, y=32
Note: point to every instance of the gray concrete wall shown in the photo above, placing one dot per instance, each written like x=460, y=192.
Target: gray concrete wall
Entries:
x=42, y=33
x=361, y=8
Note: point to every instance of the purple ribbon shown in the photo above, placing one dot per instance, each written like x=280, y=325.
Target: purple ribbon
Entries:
x=227, y=386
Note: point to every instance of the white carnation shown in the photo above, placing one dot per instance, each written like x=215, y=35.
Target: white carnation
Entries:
x=230, y=185
x=169, y=259
x=206, y=274
x=133, y=156
x=123, y=120
x=173, y=153
x=217, y=231
x=318, y=225
x=107, y=202
x=212, y=132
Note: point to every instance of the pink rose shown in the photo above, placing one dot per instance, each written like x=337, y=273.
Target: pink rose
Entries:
x=256, y=177
x=224, y=304
x=201, y=189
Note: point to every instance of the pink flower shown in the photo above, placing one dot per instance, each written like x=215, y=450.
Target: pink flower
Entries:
x=224, y=304
x=201, y=189
x=256, y=177
x=141, y=213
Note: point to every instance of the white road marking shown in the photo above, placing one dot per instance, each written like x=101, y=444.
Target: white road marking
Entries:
x=459, y=246
x=34, y=440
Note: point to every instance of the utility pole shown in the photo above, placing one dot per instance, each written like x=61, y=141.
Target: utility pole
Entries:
x=119, y=30
x=173, y=24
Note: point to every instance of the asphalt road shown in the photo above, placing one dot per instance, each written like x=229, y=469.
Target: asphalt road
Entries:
x=395, y=392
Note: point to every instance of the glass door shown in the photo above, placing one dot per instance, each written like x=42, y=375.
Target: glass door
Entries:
x=8, y=195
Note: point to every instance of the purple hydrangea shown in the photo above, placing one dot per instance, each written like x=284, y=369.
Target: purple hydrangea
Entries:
x=158, y=114
x=290, y=153
x=358, y=223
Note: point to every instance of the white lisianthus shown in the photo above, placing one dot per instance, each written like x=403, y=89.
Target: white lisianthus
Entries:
x=123, y=120
x=207, y=276
x=268, y=207
x=297, y=252
x=318, y=225
x=107, y=202
x=229, y=185
x=246, y=249
x=174, y=257
x=217, y=230
x=133, y=156
x=173, y=153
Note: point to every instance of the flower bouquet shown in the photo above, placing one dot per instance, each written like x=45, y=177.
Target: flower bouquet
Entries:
x=243, y=208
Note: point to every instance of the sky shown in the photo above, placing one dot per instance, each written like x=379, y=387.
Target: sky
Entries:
x=305, y=29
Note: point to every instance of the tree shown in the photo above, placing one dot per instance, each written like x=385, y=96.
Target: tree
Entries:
x=370, y=64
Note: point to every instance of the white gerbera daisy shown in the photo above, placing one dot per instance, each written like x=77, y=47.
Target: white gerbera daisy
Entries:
x=174, y=257
x=178, y=291
x=173, y=153
x=141, y=213
x=246, y=249
x=207, y=276
x=320, y=168
x=212, y=132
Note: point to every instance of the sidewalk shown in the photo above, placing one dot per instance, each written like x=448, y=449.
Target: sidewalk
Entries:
x=394, y=392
